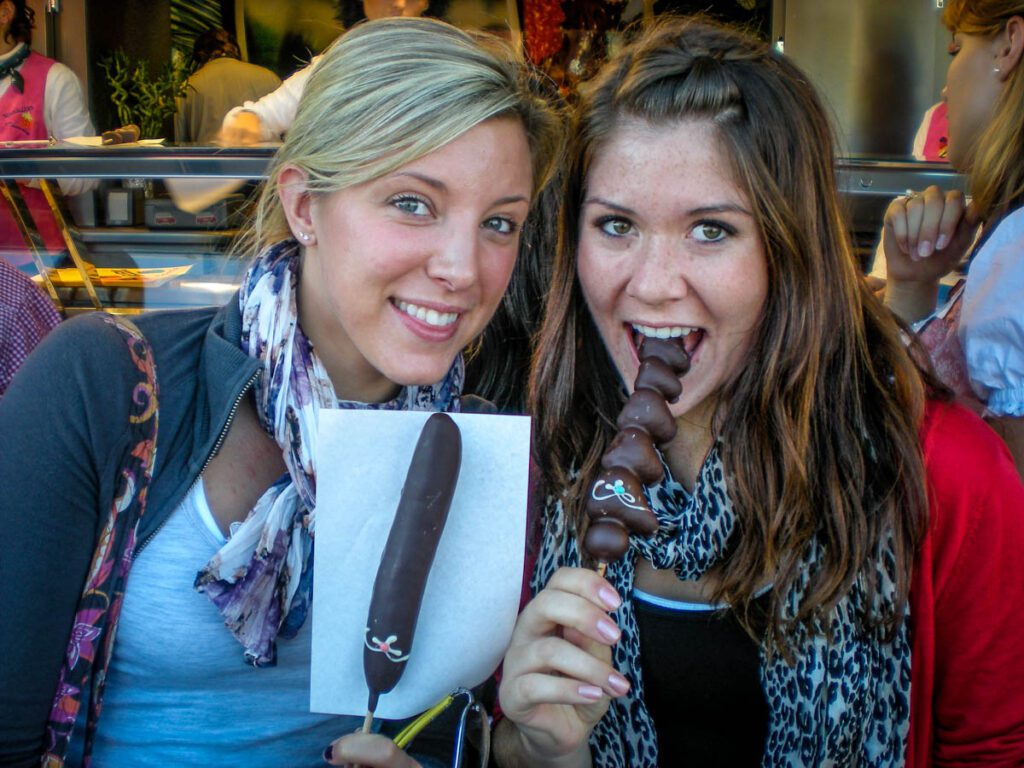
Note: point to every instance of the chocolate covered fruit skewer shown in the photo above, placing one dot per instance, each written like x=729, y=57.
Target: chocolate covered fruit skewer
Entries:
x=408, y=555
x=616, y=505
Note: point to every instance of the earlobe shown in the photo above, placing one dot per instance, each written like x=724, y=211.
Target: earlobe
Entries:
x=1012, y=48
x=296, y=202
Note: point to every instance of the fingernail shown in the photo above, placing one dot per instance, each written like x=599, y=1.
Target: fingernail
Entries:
x=610, y=598
x=329, y=753
x=924, y=248
x=618, y=683
x=591, y=692
x=608, y=630
x=941, y=242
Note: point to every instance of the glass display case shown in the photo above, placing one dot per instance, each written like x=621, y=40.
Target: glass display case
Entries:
x=128, y=248
x=124, y=244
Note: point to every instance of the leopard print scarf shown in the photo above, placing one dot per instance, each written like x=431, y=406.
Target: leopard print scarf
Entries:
x=843, y=702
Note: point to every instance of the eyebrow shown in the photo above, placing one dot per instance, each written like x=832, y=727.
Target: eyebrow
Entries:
x=701, y=211
x=608, y=204
x=437, y=184
x=430, y=181
x=720, y=208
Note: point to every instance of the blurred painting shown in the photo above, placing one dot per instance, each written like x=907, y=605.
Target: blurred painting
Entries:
x=283, y=35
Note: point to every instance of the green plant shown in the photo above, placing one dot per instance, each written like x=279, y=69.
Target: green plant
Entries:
x=140, y=98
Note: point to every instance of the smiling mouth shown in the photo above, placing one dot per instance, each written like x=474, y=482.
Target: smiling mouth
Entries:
x=428, y=316
x=691, y=335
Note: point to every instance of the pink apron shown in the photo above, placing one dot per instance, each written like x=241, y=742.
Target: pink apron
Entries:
x=21, y=118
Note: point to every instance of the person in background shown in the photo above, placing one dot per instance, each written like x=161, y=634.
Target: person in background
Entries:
x=382, y=246
x=976, y=339
x=836, y=578
x=931, y=144
x=220, y=82
x=39, y=98
x=26, y=316
x=269, y=118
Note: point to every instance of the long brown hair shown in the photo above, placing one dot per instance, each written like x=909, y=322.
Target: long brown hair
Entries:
x=997, y=157
x=819, y=432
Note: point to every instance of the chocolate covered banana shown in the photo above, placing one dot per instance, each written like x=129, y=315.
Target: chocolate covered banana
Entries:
x=616, y=505
x=409, y=553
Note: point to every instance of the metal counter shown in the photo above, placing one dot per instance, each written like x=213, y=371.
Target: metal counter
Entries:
x=865, y=184
x=127, y=268
x=62, y=160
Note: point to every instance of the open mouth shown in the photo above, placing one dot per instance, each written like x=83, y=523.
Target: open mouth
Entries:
x=429, y=316
x=691, y=336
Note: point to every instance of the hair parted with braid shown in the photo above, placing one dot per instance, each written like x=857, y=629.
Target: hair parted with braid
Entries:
x=819, y=430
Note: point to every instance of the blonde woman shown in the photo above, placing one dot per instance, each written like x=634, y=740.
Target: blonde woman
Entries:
x=977, y=339
x=384, y=241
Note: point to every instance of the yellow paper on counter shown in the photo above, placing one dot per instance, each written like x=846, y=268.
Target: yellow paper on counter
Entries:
x=127, y=277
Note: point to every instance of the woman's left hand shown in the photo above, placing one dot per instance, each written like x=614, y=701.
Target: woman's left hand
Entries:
x=370, y=750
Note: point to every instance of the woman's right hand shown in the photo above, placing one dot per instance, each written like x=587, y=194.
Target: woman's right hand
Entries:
x=557, y=677
x=242, y=129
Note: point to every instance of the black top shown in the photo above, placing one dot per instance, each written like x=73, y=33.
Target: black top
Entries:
x=701, y=674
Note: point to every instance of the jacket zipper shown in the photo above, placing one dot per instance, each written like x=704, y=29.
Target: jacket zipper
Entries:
x=213, y=452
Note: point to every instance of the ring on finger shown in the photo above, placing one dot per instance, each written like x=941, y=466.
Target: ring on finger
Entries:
x=910, y=195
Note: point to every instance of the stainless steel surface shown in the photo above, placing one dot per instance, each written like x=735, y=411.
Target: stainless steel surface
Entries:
x=867, y=186
x=879, y=64
x=63, y=161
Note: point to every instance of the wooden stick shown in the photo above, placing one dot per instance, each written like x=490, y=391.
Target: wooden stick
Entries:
x=368, y=721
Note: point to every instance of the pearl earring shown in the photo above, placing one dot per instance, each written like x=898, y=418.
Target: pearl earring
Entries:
x=304, y=236
x=996, y=70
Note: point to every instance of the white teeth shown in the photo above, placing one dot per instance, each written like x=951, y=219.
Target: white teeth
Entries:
x=428, y=316
x=665, y=332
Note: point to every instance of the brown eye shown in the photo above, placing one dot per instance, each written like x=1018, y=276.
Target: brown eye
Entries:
x=615, y=226
x=709, y=233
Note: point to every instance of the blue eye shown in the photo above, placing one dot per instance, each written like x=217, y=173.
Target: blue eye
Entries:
x=615, y=226
x=411, y=204
x=501, y=224
x=710, y=232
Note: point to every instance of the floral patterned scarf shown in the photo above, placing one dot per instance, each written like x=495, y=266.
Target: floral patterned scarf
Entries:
x=261, y=579
x=83, y=674
x=843, y=702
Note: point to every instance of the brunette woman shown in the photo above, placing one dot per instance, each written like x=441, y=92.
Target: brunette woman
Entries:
x=836, y=578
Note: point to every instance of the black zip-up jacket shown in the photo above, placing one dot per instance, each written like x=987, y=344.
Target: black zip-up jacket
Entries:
x=63, y=435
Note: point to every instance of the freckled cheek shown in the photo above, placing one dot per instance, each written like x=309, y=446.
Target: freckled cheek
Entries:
x=599, y=279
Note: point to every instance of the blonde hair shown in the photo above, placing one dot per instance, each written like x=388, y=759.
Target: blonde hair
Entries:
x=391, y=91
x=996, y=161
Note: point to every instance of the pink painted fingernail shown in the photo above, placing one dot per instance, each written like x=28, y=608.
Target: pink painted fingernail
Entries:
x=618, y=683
x=591, y=692
x=610, y=598
x=608, y=630
x=924, y=248
x=941, y=242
